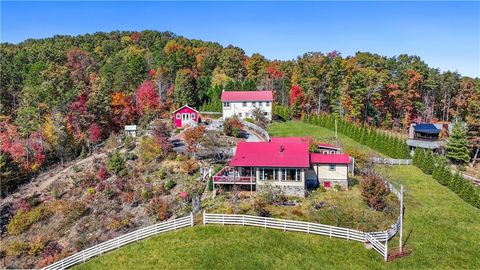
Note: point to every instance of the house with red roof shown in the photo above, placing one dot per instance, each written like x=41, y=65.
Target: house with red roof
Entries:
x=285, y=164
x=242, y=103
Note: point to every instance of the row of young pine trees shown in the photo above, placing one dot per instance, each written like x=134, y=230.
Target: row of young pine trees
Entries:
x=439, y=168
x=380, y=141
x=395, y=147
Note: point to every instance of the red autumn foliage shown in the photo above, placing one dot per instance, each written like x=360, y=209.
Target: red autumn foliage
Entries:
x=273, y=71
x=295, y=93
x=102, y=173
x=152, y=72
x=122, y=108
x=95, y=133
x=192, y=137
x=147, y=98
x=78, y=117
x=135, y=37
x=78, y=61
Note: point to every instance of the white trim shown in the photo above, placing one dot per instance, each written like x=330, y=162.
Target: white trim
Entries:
x=186, y=106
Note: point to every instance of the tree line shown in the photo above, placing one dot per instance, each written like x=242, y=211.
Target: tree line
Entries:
x=62, y=96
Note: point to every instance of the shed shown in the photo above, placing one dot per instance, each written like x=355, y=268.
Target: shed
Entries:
x=131, y=130
x=185, y=116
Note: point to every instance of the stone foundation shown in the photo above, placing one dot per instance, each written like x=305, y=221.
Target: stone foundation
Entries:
x=297, y=191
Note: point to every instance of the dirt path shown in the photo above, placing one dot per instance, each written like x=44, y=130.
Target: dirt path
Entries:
x=44, y=180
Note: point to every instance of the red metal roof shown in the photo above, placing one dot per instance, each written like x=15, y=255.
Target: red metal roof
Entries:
x=329, y=158
x=247, y=96
x=271, y=154
x=327, y=145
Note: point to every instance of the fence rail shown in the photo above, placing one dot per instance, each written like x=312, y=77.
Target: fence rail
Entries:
x=125, y=239
x=262, y=132
x=374, y=238
x=392, y=161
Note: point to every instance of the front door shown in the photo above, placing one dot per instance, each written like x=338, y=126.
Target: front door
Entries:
x=185, y=119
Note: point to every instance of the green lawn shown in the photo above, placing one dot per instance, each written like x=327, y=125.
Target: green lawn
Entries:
x=321, y=134
x=444, y=234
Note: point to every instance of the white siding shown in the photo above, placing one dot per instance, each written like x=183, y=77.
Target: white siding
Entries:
x=324, y=173
x=238, y=108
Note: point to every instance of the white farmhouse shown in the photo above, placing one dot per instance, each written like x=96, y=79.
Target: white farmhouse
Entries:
x=241, y=103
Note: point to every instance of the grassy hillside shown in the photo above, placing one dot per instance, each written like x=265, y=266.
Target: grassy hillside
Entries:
x=441, y=229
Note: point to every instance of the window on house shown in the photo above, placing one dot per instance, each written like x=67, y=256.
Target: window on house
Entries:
x=244, y=104
x=254, y=103
x=193, y=116
x=291, y=175
x=260, y=103
x=332, y=152
x=247, y=114
x=239, y=114
x=265, y=113
x=179, y=116
x=267, y=103
x=268, y=174
x=226, y=104
x=332, y=167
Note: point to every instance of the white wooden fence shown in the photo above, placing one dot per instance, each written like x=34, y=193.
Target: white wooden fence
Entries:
x=378, y=240
x=125, y=239
x=392, y=161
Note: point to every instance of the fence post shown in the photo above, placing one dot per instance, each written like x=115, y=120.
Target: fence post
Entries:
x=348, y=234
x=243, y=220
x=204, y=218
x=175, y=224
x=118, y=242
x=223, y=219
x=191, y=219
x=386, y=248
x=330, y=231
x=308, y=227
x=284, y=225
x=265, y=223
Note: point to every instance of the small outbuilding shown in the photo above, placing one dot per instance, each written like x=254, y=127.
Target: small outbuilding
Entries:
x=131, y=130
x=185, y=116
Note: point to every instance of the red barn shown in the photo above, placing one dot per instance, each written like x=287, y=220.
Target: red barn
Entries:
x=185, y=116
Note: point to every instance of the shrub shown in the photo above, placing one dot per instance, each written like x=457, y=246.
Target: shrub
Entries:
x=192, y=138
x=17, y=248
x=233, y=126
x=22, y=220
x=159, y=209
x=149, y=149
x=145, y=194
x=170, y=184
x=102, y=173
x=190, y=166
x=36, y=247
x=210, y=184
x=116, y=163
x=374, y=191
x=90, y=191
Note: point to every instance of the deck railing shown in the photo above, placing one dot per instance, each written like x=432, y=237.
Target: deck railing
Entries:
x=125, y=239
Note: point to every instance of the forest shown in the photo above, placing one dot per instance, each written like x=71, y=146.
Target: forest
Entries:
x=61, y=97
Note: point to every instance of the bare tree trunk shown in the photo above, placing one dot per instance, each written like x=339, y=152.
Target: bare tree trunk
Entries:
x=475, y=156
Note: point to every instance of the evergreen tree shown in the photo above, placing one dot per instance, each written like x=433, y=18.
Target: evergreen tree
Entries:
x=457, y=145
x=428, y=163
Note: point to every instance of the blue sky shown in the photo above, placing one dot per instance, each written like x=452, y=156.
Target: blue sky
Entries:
x=444, y=34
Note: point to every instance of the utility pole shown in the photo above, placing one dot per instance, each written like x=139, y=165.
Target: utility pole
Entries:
x=400, y=244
